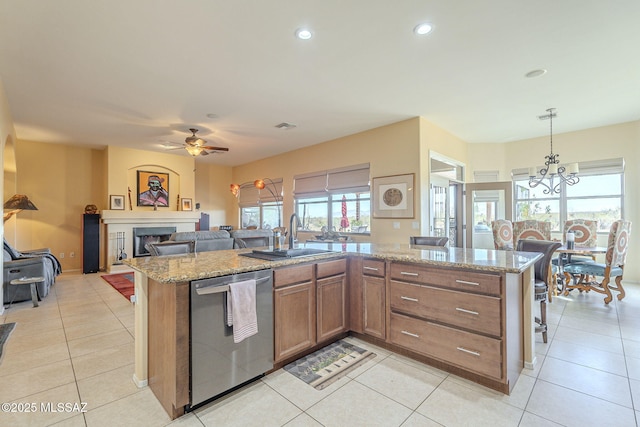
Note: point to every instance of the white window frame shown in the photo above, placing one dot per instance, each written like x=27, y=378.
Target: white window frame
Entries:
x=591, y=168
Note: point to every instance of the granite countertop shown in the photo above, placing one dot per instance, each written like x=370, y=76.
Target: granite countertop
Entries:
x=187, y=267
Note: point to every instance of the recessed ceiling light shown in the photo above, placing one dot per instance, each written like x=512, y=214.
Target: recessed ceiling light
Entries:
x=422, y=29
x=304, y=33
x=212, y=116
x=535, y=73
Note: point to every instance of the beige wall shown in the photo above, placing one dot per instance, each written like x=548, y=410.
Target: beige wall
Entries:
x=390, y=150
x=60, y=180
x=7, y=139
x=434, y=140
x=212, y=192
x=123, y=164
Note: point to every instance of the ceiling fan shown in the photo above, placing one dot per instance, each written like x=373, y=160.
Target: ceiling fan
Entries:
x=196, y=145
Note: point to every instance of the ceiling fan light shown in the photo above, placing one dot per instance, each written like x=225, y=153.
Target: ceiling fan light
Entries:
x=194, y=150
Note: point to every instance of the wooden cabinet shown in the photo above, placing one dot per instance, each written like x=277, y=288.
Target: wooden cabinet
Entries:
x=455, y=316
x=373, y=298
x=310, y=306
x=332, y=314
x=294, y=310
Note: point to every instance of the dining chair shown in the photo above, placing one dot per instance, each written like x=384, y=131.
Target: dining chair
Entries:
x=543, y=276
x=502, y=234
x=585, y=231
x=428, y=240
x=531, y=230
x=613, y=267
x=585, y=234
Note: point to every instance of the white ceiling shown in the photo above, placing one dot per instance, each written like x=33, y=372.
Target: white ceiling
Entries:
x=138, y=73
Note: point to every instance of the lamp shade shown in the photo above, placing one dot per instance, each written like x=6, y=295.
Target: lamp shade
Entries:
x=20, y=201
x=194, y=150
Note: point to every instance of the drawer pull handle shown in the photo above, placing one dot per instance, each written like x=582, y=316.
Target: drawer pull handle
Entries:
x=409, y=298
x=464, y=282
x=410, y=334
x=475, y=353
x=405, y=273
x=370, y=268
x=475, y=313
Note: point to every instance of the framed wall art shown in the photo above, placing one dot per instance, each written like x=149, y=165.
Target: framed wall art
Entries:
x=393, y=196
x=186, y=205
x=153, y=189
x=116, y=202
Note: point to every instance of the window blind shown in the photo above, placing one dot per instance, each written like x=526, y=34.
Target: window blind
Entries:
x=350, y=179
x=251, y=196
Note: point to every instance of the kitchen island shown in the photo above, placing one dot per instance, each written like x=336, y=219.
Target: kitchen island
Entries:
x=501, y=278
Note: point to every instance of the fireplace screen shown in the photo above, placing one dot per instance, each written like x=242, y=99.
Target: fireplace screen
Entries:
x=144, y=235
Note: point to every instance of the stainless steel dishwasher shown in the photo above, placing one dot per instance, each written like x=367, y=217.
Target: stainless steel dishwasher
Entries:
x=217, y=363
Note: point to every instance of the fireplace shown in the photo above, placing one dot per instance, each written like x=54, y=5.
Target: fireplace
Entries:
x=144, y=235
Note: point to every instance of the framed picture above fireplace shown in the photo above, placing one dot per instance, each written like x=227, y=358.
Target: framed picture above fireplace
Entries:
x=153, y=189
x=186, y=205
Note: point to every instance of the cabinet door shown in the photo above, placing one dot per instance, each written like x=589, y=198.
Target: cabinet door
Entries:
x=295, y=319
x=332, y=308
x=373, y=294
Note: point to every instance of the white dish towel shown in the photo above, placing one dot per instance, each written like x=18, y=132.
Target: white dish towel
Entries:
x=241, y=309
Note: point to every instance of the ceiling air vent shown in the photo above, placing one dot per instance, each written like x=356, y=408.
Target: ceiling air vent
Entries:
x=285, y=126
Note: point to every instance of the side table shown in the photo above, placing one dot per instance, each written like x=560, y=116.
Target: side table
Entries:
x=31, y=281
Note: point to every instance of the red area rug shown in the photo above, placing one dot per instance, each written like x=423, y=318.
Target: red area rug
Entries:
x=121, y=282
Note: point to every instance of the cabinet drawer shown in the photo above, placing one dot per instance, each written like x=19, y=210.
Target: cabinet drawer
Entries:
x=468, y=281
x=472, y=352
x=373, y=267
x=470, y=311
x=331, y=268
x=290, y=275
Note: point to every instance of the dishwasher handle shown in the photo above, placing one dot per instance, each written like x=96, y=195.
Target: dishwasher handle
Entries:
x=216, y=289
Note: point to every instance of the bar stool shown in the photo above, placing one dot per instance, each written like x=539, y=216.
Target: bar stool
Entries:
x=543, y=277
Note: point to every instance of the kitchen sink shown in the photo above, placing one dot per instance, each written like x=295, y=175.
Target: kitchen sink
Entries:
x=285, y=253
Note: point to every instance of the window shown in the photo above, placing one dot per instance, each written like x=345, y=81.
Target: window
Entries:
x=261, y=208
x=264, y=215
x=599, y=196
x=338, y=199
x=327, y=211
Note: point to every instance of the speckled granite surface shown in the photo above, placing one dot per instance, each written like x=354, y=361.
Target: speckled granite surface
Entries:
x=180, y=268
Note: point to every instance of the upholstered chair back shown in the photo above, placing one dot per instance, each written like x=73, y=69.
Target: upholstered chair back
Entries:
x=618, y=243
x=585, y=231
x=531, y=230
x=542, y=266
x=502, y=234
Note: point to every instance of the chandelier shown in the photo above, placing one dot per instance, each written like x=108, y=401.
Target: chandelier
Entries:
x=552, y=172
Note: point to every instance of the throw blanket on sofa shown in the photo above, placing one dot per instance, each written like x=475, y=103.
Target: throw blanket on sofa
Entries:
x=57, y=268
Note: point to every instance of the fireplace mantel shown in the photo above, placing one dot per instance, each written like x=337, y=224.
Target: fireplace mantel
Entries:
x=147, y=217
x=122, y=221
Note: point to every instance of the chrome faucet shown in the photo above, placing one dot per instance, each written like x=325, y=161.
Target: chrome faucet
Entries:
x=291, y=229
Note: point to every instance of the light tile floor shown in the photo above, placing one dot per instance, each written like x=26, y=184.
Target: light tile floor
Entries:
x=78, y=347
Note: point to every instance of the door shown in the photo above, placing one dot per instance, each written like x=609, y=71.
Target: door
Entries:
x=445, y=210
x=486, y=202
x=439, y=207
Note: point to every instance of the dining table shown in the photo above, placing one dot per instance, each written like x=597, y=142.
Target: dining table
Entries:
x=565, y=258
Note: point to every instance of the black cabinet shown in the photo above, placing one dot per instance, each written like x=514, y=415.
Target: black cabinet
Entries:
x=90, y=243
